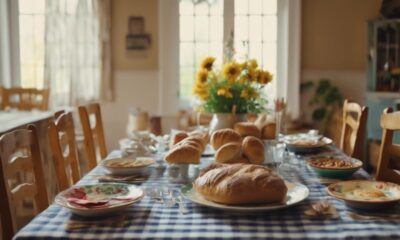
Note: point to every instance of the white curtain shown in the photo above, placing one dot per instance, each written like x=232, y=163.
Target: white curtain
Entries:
x=74, y=43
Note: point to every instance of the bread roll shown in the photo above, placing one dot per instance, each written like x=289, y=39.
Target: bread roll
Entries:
x=240, y=184
x=194, y=140
x=183, y=154
x=247, y=129
x=269, y=131
x=203, y=134
x=223, y=136
x=229, y=152
x=178, y=137
x=253, y=149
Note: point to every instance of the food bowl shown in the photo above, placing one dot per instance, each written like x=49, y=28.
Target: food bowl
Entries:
x=127, y=166
x=335, y=168
x=366, y=194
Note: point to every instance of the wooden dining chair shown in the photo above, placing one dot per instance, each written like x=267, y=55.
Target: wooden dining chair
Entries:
x=20, y=158
x=25, y=98
x=93, y=133
x=62, y=141
x=389, y=155
x=353, y=129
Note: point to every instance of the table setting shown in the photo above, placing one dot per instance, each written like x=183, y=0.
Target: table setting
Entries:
x=231, y=180
x=164, y=208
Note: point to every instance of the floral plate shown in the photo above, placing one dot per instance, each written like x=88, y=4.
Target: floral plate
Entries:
x=127, y=166
x=296, y=193
x=99, y=199
x=366, y=194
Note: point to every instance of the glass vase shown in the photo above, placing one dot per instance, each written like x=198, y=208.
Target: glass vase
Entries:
x=280, y=130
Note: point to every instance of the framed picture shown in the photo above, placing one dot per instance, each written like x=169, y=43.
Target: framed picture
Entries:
x=137, y=39
x=136, y=25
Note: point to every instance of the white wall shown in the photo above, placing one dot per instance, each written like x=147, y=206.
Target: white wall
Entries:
x=132, y=89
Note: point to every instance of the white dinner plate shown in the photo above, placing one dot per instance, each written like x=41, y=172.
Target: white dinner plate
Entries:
x=296, y=193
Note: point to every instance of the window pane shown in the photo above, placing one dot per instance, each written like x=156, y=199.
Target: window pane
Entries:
x=187, y=77
x=241, y=28
x=186, y=54
x=269, y=6
x=186, y=28
x=255, y=28
x=269, y=56
x=201, y=52
x=31, y=6
x=269, y=28
x=216, y=30
x=216, y=50
x=186, y=7
x=201, y=28
x=201, y=9
x=242, y=48
x=217, y=8
x=241, y=7
x=255, y=51
x=255, y=6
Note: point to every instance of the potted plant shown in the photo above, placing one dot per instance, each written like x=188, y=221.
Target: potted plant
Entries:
x=232, y=92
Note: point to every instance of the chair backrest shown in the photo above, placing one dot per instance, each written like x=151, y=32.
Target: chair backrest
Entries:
x=353, y=130
x=20, y=156
x=389, y=154
x=25, y=98
x=62, y=141
x=93, y=133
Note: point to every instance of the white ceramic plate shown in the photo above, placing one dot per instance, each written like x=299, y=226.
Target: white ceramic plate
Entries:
x=289, y=141
x=127, y=170
x=118, y=196
x=296, y=193
x=366, y=194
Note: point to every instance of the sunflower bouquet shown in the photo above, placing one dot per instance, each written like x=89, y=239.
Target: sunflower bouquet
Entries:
x=236, y=88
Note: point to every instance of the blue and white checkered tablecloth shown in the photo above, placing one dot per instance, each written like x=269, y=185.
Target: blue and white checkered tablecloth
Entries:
x=153, y=220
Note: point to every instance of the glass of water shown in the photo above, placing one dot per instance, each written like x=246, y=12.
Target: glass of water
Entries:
x=274, y=154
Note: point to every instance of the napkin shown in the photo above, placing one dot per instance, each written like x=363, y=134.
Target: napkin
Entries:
x=322, y=209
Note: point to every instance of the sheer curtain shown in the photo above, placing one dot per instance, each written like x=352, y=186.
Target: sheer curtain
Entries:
x=77, y=51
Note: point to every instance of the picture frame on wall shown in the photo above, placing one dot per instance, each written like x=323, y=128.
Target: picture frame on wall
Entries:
x=137, y=39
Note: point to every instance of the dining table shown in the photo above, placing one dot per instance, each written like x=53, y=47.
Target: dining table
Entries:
x=153, y=219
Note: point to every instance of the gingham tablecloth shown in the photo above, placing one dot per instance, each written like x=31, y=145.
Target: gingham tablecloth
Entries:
x=151, y=219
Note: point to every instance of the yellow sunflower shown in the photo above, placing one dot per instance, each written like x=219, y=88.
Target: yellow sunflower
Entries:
x=224, y=91
x=253, y=93
x=202, y=76
x=265, y=77
x=245, y=94
x=252, y=63
x=252, y=74
x=231, y=71
x=200, y=91
x=207, y=63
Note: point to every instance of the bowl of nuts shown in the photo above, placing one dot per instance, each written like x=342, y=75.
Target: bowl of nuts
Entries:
x=330, y=167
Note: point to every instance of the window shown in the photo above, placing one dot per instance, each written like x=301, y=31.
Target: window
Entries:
x=31, y=42
x=201, y=34
x=202, y=28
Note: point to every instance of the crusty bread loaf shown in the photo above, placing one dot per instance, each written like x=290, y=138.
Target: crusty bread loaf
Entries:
x=247, y=129
x=240, y=184
x=179, y=136
x=253, y=149
x=229, y=152
x=223, y=136
x=183, y=154
x=203, y=134
x=268, y=131
x=194, y=140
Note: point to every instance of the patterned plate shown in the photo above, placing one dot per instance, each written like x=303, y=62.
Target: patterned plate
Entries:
x=99, y=199
x=296, y=193
x=366, y=194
